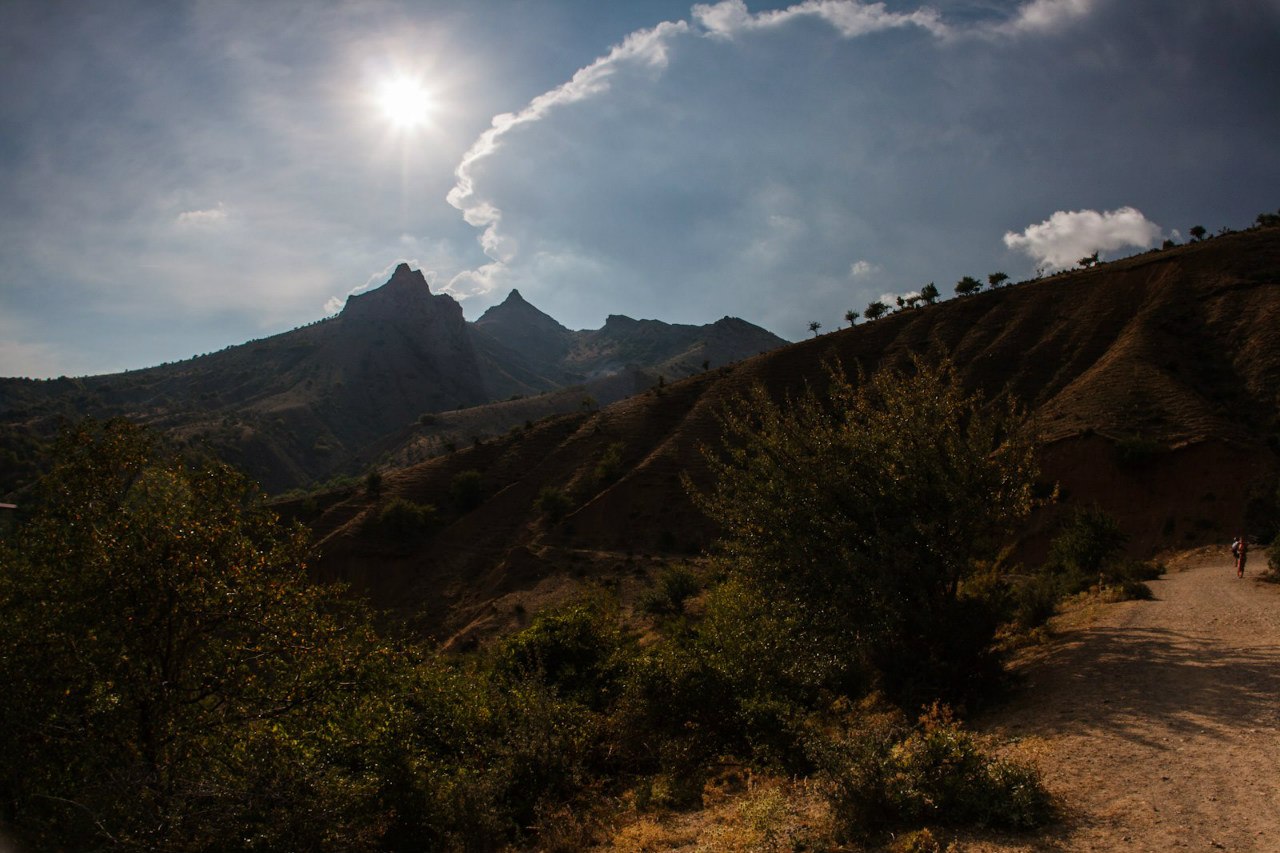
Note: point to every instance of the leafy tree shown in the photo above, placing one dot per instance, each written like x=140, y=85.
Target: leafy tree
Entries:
x=875, y=310
x=997, y=279
x=182, y=685
x=929, y=293
x=1088, y=261
x=864, y=509
x=814, y=326
x=373, y=483
x=1087, y=541
x=851, y=317
x=466, y=490
x=968, y=286
x=1197, y=232
x=554, y=503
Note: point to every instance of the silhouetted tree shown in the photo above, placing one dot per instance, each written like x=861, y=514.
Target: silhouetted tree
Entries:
x=1088, y=261
x=851, y=317
x=1197, y=232
x=814, y=326
x=875, y=310
x=968, y=286
x=997, y=279
x=929, y=293
x=909, y=485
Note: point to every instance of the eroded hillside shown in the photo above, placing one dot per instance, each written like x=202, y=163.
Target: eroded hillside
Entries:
x=1154, y=381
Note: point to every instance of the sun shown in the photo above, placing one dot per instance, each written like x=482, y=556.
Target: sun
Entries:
x=404, y=102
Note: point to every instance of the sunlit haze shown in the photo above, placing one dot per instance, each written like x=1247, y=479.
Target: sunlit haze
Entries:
x=404, y=102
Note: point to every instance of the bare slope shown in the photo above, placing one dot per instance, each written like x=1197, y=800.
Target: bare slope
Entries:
x=1155, y=380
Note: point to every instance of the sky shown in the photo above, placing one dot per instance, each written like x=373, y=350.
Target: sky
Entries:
x=178, y=177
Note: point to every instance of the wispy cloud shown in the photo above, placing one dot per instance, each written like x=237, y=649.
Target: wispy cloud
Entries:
x=850, y=18
x=1067, y=236
x=1046, y=16
x=645, y=48
x=206, y=218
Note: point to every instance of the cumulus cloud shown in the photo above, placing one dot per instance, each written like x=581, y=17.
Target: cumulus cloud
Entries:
x=1067, y=236
x=863, y=269
x=851, y=18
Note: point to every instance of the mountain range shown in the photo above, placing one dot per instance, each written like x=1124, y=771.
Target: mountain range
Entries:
x=386, y=379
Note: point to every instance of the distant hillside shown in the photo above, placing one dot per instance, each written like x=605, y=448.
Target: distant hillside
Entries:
x=344, y=393
x=1155, y=381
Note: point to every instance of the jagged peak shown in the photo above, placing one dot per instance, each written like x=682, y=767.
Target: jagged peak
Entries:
x=518, y=309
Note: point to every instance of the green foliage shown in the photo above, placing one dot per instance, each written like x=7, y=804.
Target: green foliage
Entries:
x=1135, y=451
x=851, y=317
x=173, y=662
x=675, y=585
x=577, y=651
x=554, y=503
x=875, y=310
x=1086, y=553
x=609, y=467
x=404, y=521
x=373, y=483
x=929, y=293
x=1088, y=541
x=997, y=279
x=968, y=286
x=866, y=508
x=880, y=773
x=466, y=490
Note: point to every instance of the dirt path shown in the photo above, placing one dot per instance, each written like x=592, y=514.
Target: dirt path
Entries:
x=1158, y=724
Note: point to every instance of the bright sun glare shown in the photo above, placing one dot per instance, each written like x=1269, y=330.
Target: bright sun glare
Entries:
x=404, y=102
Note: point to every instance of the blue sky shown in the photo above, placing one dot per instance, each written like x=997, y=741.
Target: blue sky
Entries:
x=177, y=177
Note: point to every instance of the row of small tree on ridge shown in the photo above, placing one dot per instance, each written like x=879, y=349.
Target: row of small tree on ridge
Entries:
x=968, y=285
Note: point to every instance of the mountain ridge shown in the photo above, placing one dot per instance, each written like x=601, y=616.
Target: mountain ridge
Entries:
x=324, y=399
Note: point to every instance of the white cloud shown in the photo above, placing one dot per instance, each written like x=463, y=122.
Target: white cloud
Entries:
x=1065, y=237
x=1046, y=16
x=202, y=218
x=851, y=18
x=863, y=269
x=646, y=48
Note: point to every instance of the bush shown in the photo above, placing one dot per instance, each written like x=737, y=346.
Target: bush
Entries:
x=466, y=490
x=609, y=467
x=405, y=521
x=880, y=773
x=1136, y=451
x=553, y=503
x=675, y=584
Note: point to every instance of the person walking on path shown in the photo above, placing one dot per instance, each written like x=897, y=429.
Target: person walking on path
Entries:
x=1240, y=550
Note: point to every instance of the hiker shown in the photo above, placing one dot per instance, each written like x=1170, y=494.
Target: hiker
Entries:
x=1240, y=550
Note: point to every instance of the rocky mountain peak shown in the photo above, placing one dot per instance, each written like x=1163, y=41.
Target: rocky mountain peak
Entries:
x=405, y=296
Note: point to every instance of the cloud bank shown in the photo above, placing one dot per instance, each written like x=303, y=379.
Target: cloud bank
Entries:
x=1067, y=236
